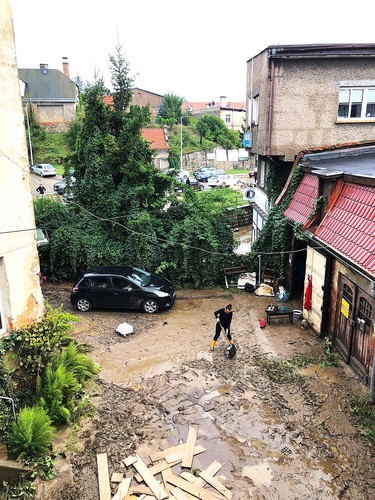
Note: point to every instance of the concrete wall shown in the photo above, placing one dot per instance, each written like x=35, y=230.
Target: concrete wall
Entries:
x=305, y=103
x=193, y=161
x=21, y=299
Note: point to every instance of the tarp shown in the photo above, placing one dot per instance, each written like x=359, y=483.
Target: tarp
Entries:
x=308, y=293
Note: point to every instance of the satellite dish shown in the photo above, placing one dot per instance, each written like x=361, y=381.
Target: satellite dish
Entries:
x=248, y=194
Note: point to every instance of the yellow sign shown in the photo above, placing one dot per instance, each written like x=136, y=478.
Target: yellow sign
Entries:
x=345, y=307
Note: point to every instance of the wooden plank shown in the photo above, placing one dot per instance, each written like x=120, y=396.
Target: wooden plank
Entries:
x=159, y=467
x=149, y=479
x=189, y=476
x=191, y=488
x=123, y=489
x=179, y=456
x=164, y=474
x=179, y=494
x=187, y=459
x=142, y=489
x=103, y=477
x=212, y=469
x=215, y=483
x=129, y=460
x=168, y=451
x=117, y=477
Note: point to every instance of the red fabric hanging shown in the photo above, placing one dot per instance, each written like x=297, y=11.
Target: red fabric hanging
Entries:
x=308, y=293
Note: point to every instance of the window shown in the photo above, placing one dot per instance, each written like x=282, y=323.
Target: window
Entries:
x=227, y=118
x=356, y=103
x=255, y=117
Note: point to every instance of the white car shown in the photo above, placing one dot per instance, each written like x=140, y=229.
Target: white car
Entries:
x=224, y=180
x=44, y=170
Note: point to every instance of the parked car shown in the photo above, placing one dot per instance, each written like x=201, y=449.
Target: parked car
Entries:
x=60, y=187
x=122, y=287
x=205, y=175
x=44, y=169
x=193, y=183
x=202, y=170
x=224, y=180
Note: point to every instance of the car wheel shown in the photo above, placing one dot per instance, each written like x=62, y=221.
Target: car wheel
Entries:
x=223, y=185
x=83, y=305
x=150, y=306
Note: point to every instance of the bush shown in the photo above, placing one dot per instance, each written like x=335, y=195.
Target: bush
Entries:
x=80, y=365
x=31, y=435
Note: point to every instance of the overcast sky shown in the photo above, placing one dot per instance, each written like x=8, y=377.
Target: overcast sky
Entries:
x=196, y=49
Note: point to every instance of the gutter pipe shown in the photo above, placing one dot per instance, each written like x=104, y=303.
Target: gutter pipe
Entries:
x=270, y=108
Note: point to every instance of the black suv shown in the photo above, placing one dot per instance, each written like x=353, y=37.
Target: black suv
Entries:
x=122, y=287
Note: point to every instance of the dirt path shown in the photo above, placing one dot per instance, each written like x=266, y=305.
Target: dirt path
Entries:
x=279, y=437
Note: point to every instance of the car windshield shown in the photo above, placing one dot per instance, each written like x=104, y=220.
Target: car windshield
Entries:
x=141, y=277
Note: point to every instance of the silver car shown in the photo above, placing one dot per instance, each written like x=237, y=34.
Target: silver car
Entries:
x=44, y=170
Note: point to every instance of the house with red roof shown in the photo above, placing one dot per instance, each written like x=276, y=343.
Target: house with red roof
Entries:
x=233, y=114
x=158, y=141
x=334, y=204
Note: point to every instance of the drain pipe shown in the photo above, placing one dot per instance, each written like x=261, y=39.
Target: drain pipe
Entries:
x=372, y=383
x=270, y=109
x=259, y=268
x=10, y=399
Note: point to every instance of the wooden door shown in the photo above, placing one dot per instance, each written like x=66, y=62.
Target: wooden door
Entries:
x=344, y=318
x=360, y=354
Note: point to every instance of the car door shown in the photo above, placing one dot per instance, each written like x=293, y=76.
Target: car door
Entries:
x=98, y=291
x=127, y=295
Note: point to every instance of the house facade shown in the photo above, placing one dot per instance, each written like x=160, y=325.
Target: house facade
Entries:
x=158, y=142
x=143, y=97
x=303, y=97
x=336, y=261
x=21, y=299
x=51, y=95
x=233, y=114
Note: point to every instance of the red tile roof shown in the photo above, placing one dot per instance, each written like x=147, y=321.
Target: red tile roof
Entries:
x=349, y=225
x=302, y=204
x=155, y=137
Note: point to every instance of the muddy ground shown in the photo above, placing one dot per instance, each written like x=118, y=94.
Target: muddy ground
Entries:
x=278, y=437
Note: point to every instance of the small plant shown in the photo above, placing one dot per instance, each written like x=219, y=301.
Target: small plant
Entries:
x=24, y=490
x=32, y=433
x=56, y=390
x=364, y=415
x=80, y=365
x=283, y=371
x=329, y=358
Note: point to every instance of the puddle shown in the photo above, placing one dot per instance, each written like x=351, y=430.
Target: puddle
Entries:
x=328, y=374
x=260, y=474
x=242, y=237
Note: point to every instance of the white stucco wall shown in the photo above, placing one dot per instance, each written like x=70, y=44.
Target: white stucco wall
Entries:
x=21, y=296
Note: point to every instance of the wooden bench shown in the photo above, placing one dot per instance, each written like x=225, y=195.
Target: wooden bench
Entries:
x=279, y=313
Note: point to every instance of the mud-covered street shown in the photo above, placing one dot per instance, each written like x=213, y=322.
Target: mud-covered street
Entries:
x=280, y=434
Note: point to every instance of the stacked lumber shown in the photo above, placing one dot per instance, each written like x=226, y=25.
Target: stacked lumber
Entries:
x=155, y=479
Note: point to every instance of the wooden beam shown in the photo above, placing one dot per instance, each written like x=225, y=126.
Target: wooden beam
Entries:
x=191, y=488
x=103, y=477
x=212, y=469
x=180, y=455
x=215, y=483
x=149, y=479
x=187, y=459
x=168, y=451
x=123, y=489
x=159, y=467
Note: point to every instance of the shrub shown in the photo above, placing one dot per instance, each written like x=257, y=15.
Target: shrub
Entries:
x=56, y=390
x=80, y=365
x=31, y=435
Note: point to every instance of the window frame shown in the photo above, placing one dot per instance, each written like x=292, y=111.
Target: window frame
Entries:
x=351, y=103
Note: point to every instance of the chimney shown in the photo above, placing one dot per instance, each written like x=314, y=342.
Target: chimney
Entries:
x=66, y=67
x=222, y=101
x=44, y=68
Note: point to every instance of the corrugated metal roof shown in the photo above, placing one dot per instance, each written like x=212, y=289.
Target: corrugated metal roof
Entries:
x=349, y=226
x=302, y=204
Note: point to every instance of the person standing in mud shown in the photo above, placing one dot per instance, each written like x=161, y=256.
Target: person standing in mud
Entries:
x=223, y=320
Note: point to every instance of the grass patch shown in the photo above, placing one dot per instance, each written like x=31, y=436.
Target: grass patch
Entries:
x=283, y=371
x=363, y=414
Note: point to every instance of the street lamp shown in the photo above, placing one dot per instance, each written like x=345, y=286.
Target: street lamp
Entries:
x=181, y=142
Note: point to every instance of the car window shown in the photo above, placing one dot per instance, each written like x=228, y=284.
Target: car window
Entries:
x=121, y=283
x=141, y=277
x=97, y=281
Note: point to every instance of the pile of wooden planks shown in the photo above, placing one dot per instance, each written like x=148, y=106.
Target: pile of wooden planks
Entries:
x=143, y=484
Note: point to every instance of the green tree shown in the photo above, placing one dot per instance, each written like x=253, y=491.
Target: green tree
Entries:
x=122, y=83
x=213, y=129
x=170, y=108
